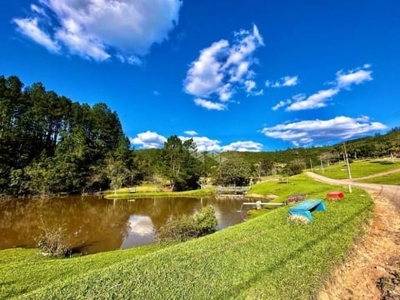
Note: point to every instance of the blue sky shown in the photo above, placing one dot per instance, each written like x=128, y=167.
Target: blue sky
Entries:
x=254, y=75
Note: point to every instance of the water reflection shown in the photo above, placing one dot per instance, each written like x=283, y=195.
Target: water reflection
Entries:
x=94, y=225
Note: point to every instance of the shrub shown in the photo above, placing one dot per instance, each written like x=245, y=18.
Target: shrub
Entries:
x=299, y=220
x=188, y=227
x=205, y=220
x=52, y=242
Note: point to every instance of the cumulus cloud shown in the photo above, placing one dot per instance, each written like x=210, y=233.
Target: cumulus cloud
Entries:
x=343, y=81
x=224, y=68
x=148, y=139
x=284, y=81
x=100, y=29
x=243, y=146
x=205, y=144
x=209, y=104
x=309, y=132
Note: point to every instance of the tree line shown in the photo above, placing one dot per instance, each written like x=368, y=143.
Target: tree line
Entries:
x=50, y=144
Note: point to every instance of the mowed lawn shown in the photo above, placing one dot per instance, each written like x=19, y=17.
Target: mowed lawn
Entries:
x=358, y=168
x=392, y=178
x=263, y=258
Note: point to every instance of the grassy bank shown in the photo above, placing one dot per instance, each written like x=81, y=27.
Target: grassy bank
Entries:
x=24, y=270
x=263, y=258
x=140, y=192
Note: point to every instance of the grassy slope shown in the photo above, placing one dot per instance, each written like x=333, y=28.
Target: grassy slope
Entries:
x=24, y=270
x=359, y=168
x=264, y=258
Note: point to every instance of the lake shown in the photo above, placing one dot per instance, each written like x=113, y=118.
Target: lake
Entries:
x=94, y=224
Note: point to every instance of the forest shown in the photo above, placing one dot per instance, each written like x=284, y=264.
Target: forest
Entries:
x=52, y=145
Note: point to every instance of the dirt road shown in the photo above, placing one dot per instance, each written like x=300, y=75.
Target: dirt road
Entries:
x=391, y=192
x=376, y=256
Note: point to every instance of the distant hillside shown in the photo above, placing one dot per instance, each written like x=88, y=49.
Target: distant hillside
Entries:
x=379, y=145
x=367, y=147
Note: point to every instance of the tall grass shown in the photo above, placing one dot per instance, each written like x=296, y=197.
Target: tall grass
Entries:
x=263, y=258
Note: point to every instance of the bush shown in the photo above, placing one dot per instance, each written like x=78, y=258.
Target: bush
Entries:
x=189, y=227
x=299, y=220
x=52, y=242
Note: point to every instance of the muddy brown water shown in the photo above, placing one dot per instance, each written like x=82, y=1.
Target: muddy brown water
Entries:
x=94, y=224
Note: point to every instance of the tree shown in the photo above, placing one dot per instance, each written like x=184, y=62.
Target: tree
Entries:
x=179, y=163
x=117, y=170
x=295, y=167
x=233, y=171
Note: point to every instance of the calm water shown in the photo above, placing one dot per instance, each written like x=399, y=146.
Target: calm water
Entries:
x=94, y=225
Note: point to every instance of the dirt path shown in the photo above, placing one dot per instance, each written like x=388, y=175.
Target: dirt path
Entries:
x=377, y=255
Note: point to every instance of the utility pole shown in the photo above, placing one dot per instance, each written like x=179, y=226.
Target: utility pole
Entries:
x=348, y=165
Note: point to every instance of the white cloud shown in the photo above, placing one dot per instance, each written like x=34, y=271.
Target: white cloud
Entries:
x=250, y=85
x=318, y=100
x=308, y=132
x=30, y=28
x=245, y=146
x=209, y=104
x=281, y=104
x=131, y=60
x=99, y=29
x=345, y=80
x=191, y=132
x=289, y=80
x=38, y=10
x=205, y=144
x=149, y=139
x=223, y=68
x=284, y=81
x=250, y=88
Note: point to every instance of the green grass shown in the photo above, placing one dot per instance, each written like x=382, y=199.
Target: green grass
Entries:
x=359, y=168
x=393, y=178
x=24, y=270
x=295, y=185
x=124, y=194
x=263, y=258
